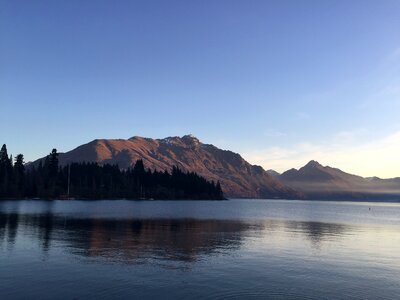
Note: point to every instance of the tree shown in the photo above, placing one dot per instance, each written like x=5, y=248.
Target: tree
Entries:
x=53, y=163
x=219, y=190
x=50, y=174
x=139, y=167
x=5, y=162
x=5, y=171
x=19, y=167
x=3, y=154
x=19, y=174
x=93, y=181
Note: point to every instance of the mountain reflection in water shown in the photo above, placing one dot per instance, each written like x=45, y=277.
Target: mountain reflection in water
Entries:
x=135, y=240
x=199, y=249
x=128, y=240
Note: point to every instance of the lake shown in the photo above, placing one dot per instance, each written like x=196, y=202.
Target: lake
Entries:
x=236, y=249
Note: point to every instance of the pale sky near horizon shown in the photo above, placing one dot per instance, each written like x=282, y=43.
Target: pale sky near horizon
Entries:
x=280, y=82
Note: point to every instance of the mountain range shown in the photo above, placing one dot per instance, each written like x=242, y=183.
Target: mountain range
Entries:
x=324, y=182
x=238, y=178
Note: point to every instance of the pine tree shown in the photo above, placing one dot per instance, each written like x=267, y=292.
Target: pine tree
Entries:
x=219, y=192
x=53, y=163
x=93, y=181
x=5, y=172
x=139, y=167
x=50, y=174
x=19, y=174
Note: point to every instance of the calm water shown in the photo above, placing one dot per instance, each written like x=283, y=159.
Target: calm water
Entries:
x=199, y=250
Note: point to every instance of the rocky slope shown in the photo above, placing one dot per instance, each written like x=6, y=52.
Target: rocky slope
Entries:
x=238, y=178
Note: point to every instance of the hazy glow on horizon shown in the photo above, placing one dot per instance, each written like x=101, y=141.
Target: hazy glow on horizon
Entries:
x=376, y=158
x=280, y=82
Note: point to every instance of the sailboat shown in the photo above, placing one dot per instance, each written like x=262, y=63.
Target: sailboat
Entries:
x=67, y=197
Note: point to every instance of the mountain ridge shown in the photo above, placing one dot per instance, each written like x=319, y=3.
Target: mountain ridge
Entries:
x=239, y=179
x=324, y=182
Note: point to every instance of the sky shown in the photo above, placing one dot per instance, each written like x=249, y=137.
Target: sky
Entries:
x=280, y=82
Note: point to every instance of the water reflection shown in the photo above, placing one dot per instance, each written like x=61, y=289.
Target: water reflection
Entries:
x=137, y=240
x=177, y=239
x=318, y=232
x=108, y=249
x=8, y=228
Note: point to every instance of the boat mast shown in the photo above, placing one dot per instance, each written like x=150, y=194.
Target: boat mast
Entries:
x=69, y=179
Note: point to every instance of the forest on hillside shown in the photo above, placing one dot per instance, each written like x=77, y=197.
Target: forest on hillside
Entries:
x=49, y=180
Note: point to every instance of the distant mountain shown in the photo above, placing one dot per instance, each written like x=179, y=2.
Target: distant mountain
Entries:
x=273, y=173
x=238, y=178
x=319, y=182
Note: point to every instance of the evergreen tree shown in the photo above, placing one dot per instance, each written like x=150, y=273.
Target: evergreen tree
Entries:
x=19, y=167
x=19, y=174
x=50, y=174
x=219, y=191
x=138, y=169
x=5, y=171
x=53, y=163
x=3, y=155
x=92, y=181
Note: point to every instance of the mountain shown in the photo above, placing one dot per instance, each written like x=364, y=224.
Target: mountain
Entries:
x=238, y=178
x=323, y=182
x=273, y=173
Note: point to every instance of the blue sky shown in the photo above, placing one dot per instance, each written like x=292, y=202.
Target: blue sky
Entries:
x=280, y=82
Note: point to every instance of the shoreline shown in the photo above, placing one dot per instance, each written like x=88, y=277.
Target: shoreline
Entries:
x=217, y=200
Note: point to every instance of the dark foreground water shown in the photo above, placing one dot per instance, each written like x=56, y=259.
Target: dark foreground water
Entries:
x=199, y=250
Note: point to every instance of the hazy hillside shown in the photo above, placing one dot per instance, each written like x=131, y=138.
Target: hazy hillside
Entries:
x=319, y=182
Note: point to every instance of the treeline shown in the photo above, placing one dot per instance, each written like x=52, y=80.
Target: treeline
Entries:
x=48, y=180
